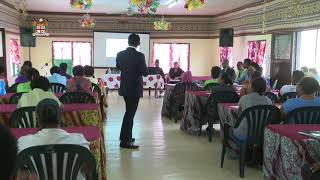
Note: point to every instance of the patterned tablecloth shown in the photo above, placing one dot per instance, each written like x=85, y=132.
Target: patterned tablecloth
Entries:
x=166, y=100
x=285, y=151
x=74, y=115
x=112, y=81
x=4, y=99
x=92, y=134
x=194, y=102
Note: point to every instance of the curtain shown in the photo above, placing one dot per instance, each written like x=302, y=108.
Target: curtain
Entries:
x=256, y=51
x=14, y=56
x=169, y=53
x=225, y=53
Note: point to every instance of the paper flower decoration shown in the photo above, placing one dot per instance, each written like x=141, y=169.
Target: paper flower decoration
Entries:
x=81, y=4
x=162, y=25
x=40, y=27
x=87, y=21
x=146, y=6
x=190, y=4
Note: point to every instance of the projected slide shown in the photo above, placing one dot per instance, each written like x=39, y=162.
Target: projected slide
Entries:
x=108, y=45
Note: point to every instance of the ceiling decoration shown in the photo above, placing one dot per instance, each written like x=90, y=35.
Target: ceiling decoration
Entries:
x=191, y=4
x=40, y=27
x=21, y=6
x=84, y=5
x=87, y=21
x=162, y=25
x=166, y=7
x=145, y=6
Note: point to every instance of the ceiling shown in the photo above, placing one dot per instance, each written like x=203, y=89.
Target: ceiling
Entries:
x=212, y=7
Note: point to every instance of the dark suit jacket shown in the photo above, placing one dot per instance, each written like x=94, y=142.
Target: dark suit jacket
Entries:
x=133, y=66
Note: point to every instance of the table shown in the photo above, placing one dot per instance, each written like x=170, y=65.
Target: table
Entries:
x=92, y=134
x=74, y=115
x=194, y=103
x=4, y=99
x=285, y=151
x=112, y=81
x=166, y=100
x=201, y=78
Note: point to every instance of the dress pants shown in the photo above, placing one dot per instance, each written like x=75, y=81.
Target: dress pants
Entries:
x=127, y=123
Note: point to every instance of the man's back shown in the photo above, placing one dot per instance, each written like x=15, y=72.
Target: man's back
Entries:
x=52, y=136
x=133, y=66
x=57, y=78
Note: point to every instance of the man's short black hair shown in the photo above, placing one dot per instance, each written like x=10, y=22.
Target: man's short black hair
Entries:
x=215, y=72
x=78, y=70
x=32, y=74
x=134, y=40
x=8, y=152
x=308, y=86
x=297, y=76
x=41, y=83
x=54, y=69
x=63, y=67
x=258, y=85
x=88, y=71
x=247, y=61
x=48, y=112
x=27, y=63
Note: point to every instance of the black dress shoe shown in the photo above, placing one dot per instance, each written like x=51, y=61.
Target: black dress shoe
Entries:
x=128, y=146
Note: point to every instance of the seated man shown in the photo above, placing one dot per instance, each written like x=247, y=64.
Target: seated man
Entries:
x=296, y=77
x=40, y=90
x=78, y=83
x=255, y=98
x=49, y=116
x=56, y=77
x=25, y=87
x=215, y=73
x=158, y=69
x=225, y=84
x=176, y=72
x=63, y=70
x=306, y=89
x=227, y=69
x=241, y=73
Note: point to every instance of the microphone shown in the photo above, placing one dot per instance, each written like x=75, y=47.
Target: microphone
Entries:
x=46, y=64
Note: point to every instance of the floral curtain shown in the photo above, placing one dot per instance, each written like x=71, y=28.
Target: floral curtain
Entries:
x=170, y=53
x=14, y=56
x=225, y=53
x=256, y=51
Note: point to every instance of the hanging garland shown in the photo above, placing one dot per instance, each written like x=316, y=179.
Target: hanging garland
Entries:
x=190, y=4
x=162, y=25
x=146, y=6
x=81, y=4
x=87, y=21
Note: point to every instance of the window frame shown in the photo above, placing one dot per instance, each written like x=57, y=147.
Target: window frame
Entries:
x=189, y=47
x=72, y=54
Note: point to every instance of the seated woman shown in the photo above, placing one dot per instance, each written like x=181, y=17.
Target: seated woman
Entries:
x=40, y=90
x=78, y=83
x=89, y=74
x=306, y=89
x=255, y=98
x=215, y=73
x=186, y=77
x=26, y=86
x=225, y=83
x=22, y=77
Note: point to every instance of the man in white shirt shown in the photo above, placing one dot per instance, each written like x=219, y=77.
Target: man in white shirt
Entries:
x=49, y=115
x=296, y=77
x=40, y=90
x=56, y=77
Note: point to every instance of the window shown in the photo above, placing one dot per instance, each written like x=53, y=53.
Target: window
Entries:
x=72, y=53
x=308, y=49
x=168, y=53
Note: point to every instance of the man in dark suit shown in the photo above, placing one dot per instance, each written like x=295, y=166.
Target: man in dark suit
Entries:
x=227, y=69
x=133, y=66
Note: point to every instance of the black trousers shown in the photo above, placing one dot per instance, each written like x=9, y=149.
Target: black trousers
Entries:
x=127, y=123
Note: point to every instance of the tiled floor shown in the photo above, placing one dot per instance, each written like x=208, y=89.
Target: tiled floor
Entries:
x=166, y=153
